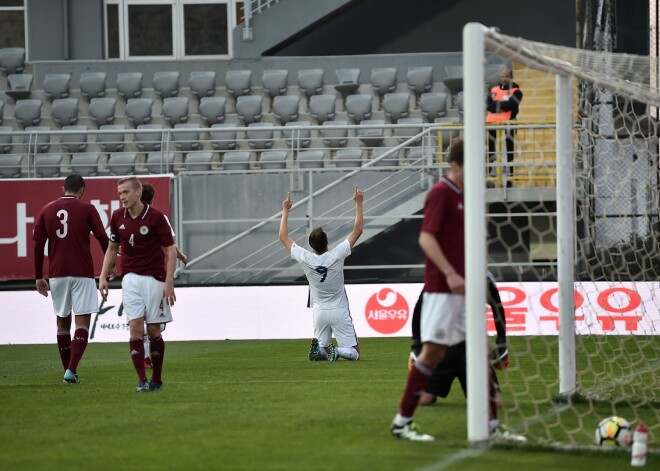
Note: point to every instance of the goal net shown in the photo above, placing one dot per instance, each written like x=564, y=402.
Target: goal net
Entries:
x=570, y=230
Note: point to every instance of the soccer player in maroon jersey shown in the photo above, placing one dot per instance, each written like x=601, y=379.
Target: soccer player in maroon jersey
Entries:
x=65, y=224
x=148, y=260
x=443, y=309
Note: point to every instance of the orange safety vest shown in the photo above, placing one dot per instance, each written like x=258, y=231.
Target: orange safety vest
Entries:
x=497, y=94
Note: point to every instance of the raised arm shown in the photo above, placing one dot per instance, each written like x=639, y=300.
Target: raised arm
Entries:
x=108, y=262
x=284, y=223
x=358, y=225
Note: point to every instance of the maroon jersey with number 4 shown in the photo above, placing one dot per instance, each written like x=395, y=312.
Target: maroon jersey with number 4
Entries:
x=141, y=240
x=66, y=223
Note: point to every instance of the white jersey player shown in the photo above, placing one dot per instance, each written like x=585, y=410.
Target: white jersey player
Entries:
x=324, y=270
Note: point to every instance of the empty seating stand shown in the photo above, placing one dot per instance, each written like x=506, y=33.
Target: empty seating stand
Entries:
x=349, y=158
x=102, y=110
x=249, y=108
x=11, y=166
x=322, y=108
x=347, y=81
x=359, y=107
x=20, y=86
x=335, y=136
x=186, y=137
x=111, y=138
x=396, y=106
x=236, y=160
x=420, y=79
x=311, y=159
x=223, y=139
x=212, y=109
x=47, y=165
x=310, y=82
x=297, y=136
x=274, y=82
x=65, y=111
x=74, y=138
x=12, y=60
x=273, y=159
x=129, y=85
x=149, y=137
x=383, y=81
x=57, y=86
x=28, y=112
x=122, y=163
x=36, y=139
x=199, y=161
x=85, y=164
x=238, y=82
x=202, y=84
x=286, y=108
x=92, y=84
x=138, y=110
x=160, y=162
x=175, y=109
x=166, y=84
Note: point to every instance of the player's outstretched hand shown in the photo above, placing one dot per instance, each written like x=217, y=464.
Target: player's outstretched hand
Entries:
x=358, y=195
x=42, y=287
x=287, y=203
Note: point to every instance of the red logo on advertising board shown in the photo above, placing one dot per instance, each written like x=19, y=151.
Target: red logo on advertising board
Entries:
x=387, y=311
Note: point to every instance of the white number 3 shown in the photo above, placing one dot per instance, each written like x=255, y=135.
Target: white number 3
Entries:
x=63, y=215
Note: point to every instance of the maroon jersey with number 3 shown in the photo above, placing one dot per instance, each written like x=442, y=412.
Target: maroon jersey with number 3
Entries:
x=141, y=240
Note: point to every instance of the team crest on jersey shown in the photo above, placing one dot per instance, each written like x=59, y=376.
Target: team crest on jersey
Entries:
x=144, y=230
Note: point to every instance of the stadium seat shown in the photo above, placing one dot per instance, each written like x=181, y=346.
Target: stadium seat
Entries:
x=418, y=155
x=200, y=161
x=57, y=86
x=460, y=104
x=371, y=136
x=337, y=137
x=12, y=60
x=348, y=158
x=166, y=84
x=274, y=82
x=11, y=165
x=396, y=106
x=129, y=85
x=347, y=81
x=122, y=163
x=454, y=79
x=212, y=109
x=238, y=82
x=36, y=139
x=47, y=165
x=297, y=138
x=446, y=132
x=86, y=164
x=112, y=138
x=5, y=139
x=391, y=160
x=20, y=86
x=149, y=137
x=223, y=139
x=322, y=108
x=248, y=108
x=273, y=159
x=175, y=109
x=28, y=112
x=202, y=84
x=102, y=110
x=420, y=79
x=236, y=160
x=404, y=133
x=310, y=82
x=65, y=111
x=260, y=139
x=138, y=110
x=286, y=108
x=186, y=136
x=73, y=139
x=160, y=162
x=2, y=107
x=311, y=159
x=433, y=105
x=92, y=84
x=383, y=80
x=359, y=107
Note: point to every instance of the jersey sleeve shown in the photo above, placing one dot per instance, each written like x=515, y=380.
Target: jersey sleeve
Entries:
x=114, y=230
x=40, y=237
x=343, y=250
x=297, y=252
x=434, y=212
x=164, y=231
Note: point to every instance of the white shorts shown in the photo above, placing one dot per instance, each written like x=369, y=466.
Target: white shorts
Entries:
x=336, y=321
x=142, y=296
x=75, y=293
x=443, y=318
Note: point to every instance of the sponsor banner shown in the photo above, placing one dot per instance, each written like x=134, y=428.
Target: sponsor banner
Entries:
x=380, y=310
x=21, y=202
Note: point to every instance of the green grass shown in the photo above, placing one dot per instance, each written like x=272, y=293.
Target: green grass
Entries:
x=245, y=405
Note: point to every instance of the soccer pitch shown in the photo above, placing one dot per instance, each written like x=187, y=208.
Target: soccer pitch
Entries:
x=243, y=405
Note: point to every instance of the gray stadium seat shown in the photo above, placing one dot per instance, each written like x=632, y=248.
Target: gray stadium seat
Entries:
x=322, y=107
x=418, y=155
x=102, y=110
x=359, y=107
x=454, y=79
x=65, y=111
x=186, y=137
x=12, y=60
x=348, y=158
x=92, y=84
x=175, y=109
x=286, y=108
x=5, y=139
x=138, y=110
x=166, y=84
x=347, y=81
x=334, y=137
x=404, y=133
x=149, y=137
x=391, y=160
x=37, y=139
x=28, y=112
x=11, y=165
x=212, y=109
x=47, y=165
x=420, y=79
x=236, y=160
x=238, y=82
x=274, y=82
x=310, y=82
x=86, y=164
x=260, y=139
x=2, y=107
x=202, y=84
x=297, y=138
x=371, y=137
x=74, y=139
x=112, y=139
x=383, y=80
x=57, y=86
x=122, y=163
x=222, y=139
x=433, y=105
x=447, y=132
x=460, y=104
x=129, y=85
x=396, y=105
x=160, y=162
x=20, y=86
x=311, y=159
x=248, y=108
x=273, y=159
x=199, y=161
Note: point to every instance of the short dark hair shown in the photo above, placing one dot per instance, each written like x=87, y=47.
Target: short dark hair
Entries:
x=74, y=183
x=148, y=193
x=318, y=240
x=456, y=152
